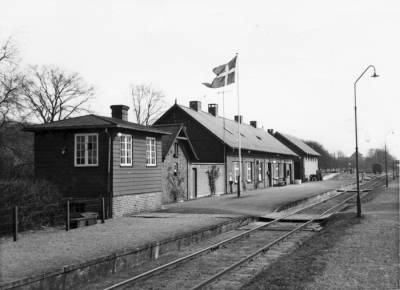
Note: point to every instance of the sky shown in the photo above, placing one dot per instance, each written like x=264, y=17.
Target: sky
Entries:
x=297, y=60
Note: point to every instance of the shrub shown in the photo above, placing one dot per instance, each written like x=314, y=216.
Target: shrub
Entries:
x=38, y=201
x=213, y=174
x=174, y=185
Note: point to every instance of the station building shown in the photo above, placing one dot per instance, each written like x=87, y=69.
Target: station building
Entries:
x=307, y=164
x=265, y=160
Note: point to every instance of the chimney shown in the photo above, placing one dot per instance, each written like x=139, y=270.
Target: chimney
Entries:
x=119, y=112
x=271, y=131
x=195, y=105
x=253, y=124
x=213, y=109
x=239, y=118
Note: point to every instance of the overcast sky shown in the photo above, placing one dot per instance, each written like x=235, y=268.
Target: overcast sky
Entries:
x=298, y=60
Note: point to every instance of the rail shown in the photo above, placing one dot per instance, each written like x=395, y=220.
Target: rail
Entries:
x=268, y=246
x=245, y=233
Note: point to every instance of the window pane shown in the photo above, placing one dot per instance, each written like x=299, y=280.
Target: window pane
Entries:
x=92, y=149
x=151, y=151
x=80, y=150
x=126, y=150
x=86, y=149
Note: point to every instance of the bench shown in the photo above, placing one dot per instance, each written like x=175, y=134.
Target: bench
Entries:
x=83, y=219
x=279, y=181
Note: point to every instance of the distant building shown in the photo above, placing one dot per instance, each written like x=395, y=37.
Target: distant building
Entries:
x=308, y=163
x=266, y=161
x=177, y=155
x=94, y=156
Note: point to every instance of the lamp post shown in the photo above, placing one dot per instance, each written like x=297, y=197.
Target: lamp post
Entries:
x=355, y=123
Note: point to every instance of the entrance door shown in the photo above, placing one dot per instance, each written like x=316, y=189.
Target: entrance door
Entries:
x=194, y=182
x=270, y=174
x=297, y=170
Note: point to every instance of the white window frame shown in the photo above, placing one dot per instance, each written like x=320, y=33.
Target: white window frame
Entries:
x=236, y=170
x=260, y=167
x=249, y=171
x=86, y=135
x=125, y=150
x=149, y=152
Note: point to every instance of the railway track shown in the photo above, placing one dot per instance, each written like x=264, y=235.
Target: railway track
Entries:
x=203, y=268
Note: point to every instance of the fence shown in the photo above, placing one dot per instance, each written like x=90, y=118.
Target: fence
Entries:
x=67, y=211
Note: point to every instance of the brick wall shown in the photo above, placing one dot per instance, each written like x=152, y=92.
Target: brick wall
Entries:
x=168, y=165
x=135, y=203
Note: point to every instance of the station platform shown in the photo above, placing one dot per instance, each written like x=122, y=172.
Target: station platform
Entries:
x=53, y=252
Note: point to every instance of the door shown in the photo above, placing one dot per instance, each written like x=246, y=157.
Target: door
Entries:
x=269, y=174
x=194, y=182
x=297, y=174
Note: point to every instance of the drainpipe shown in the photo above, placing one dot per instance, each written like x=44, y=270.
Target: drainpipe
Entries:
x=109, y=185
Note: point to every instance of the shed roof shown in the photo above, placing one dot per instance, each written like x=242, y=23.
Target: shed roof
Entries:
x=300, y=144
x=92, y=121
x=256, y=139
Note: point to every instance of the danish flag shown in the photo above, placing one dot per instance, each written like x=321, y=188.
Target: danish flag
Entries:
x=225, y=75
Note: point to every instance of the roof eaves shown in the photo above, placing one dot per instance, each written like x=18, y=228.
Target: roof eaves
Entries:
x=137, y=127
x=190, y=144
x=176, y=134
x=46, y=128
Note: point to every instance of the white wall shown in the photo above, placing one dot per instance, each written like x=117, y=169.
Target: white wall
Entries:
x=310, y=166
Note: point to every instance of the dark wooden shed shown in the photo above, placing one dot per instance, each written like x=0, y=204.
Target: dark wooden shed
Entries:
x=95, y=156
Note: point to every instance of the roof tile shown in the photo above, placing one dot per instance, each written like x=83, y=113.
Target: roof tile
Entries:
x=256, y=139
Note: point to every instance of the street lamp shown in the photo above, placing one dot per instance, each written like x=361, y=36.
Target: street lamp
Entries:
x=355, y=123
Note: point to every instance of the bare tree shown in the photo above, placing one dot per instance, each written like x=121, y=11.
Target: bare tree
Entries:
x=51, y=94
x=147, y=103
x=10, y=82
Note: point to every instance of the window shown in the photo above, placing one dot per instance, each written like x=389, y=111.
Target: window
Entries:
x=236, y=172
x=86, y=149
x=151, y=151
x=126, y=150
x=249, y=171
x=281, y=172
x=176, y=168
x=176, y=149
x=260, y=170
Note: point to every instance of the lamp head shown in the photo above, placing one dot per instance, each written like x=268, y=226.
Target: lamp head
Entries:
x=374, y=75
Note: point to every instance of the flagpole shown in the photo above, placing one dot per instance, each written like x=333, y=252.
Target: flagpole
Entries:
x=223, y=125
x=239, y=121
